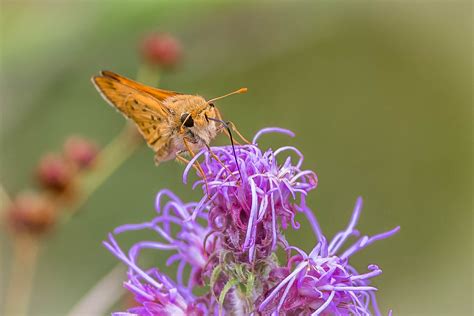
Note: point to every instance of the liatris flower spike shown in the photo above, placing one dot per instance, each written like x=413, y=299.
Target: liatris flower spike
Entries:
x=229, y=241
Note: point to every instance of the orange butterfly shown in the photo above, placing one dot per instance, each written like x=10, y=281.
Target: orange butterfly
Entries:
x=170, y=122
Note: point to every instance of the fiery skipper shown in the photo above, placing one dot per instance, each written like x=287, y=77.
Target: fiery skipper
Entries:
x=170, y=122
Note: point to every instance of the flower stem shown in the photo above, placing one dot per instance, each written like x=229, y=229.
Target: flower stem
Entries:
x=5, y=199
x=5, y=202
x=102, y=296
x=110, y=158
x=23, y=267
x=148, y=75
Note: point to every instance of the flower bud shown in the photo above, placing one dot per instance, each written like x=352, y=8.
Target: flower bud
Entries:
x=160, y=49
x=54, y=173
x=31, y=213
x=81, y=152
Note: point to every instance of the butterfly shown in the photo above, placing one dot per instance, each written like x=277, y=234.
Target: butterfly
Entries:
x=170, y=122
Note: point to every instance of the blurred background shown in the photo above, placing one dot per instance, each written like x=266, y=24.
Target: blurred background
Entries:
x=379, y=95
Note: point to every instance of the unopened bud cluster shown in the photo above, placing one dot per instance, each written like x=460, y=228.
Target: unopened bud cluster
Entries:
x=57, y=174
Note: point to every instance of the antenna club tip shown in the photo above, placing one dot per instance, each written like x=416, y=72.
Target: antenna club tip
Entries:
x=241, y=90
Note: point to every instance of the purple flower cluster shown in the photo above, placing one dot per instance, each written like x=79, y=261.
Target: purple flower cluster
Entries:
x=249, y=199
x=225, y=244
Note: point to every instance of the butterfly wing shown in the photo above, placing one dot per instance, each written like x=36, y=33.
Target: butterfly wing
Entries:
x=145, y=110
x=159, y=94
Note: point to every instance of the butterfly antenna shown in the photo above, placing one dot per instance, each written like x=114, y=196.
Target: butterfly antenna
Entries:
x=231, y=142
x=241, y=90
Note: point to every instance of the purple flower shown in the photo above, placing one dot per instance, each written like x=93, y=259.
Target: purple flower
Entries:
x=153, y=290
x=323, y=283
x=228, y=241
x=252, y=193
x=156, y=294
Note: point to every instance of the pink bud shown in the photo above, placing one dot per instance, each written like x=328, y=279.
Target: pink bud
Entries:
x=31, y=213
x=55, y=173
x=161, y=49
x=81, y=152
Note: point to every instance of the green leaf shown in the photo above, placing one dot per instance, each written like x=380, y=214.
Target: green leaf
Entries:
x=215, y=274
x=226, y=289
x=250, y=285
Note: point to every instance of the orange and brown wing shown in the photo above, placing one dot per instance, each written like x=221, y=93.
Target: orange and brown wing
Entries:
x=148, y=113
x=159, y=94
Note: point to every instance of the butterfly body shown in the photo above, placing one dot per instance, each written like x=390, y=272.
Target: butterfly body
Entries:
x=198, y=131
x=170, y=122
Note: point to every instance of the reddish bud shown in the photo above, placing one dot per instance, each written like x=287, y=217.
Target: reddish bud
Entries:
x=55, y=173
x=161, y=50
x=81, y=152
x=31, y=213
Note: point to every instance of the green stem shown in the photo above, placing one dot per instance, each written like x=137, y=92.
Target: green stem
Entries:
x=5, y=199
x=110, y=159
x=5, y=202
x=23, y=267
x=102, y=295
x=149, y=76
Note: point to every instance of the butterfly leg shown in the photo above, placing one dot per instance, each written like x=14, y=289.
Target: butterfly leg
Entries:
x=213, y=155
x=197, y=165
x=186, y=162
x=227, y=129
x=234, y=128
x=223, y=126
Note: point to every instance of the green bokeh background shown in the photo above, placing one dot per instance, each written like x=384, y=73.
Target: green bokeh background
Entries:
x=379, y=95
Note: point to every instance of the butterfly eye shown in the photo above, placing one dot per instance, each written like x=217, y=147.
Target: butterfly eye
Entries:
x=187, y=120
x=211, y=105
